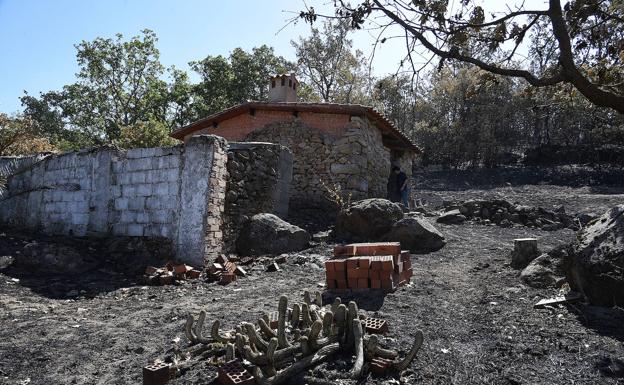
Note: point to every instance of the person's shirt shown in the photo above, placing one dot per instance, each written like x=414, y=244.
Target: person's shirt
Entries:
x=401, y=178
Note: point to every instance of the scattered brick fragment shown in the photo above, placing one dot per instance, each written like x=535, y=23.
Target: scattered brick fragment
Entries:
x=156, y=374
x=240, y=271
x=227, y=278
x=193, y=274
x=234, y=373
x=379, y=366
x=375, y=325
x=221, y=259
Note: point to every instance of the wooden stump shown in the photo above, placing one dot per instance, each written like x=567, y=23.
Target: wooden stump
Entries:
x=525, y=250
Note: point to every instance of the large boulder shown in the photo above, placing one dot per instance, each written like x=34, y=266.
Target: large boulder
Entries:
x=417, y=235
x=368, y=219
x=453, y=217
x=268, y=234
x=596, y=265
x=547, y=269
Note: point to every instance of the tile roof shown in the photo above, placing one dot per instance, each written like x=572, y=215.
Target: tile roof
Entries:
x=383, y=123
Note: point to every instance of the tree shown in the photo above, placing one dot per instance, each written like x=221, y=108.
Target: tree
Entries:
x=329, y=66
x=152, y=133
x=20, y=136
x=241, y=77
x=119, y=84
x=582, y=42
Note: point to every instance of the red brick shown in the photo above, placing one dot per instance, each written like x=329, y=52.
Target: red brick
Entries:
x=273, y=319
x=352, y=283
x=398, y=268
x=166, y=279
x=376, y=248
x=387, y=264
x=362, y=283
x=156, y=374
x=234, y=373
x=341, y=284
x=405, y=255
x=331, y=284
x=343, y=251
x=230, y=267
x=340, y=265
x=179, y=269
x=222, y=259
x=364, y=263
x=385, y=274
x=215, y=267
x=407, y=264
x=379, y=366
x=193, y=274
x=375, y=325
x=330, y=274
x=374, y=274
x=227, y=278
x=330, y=266
x=375, y=284
x=387, y=284
x=362, y=273
x=352, y=263
x=150, y=270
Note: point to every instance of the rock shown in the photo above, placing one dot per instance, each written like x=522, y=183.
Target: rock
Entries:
x=6, y=261
x=585, y=218
x=268, y=234
x=453, y=217
x=525, y=250
x=544, y=271
x=417, y=235
x=596, y=264
x=368, y=219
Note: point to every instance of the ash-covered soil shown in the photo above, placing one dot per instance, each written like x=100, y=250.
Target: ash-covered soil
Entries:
x=478, y=319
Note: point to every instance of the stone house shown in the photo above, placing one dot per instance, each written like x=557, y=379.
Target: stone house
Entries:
x=347, y=145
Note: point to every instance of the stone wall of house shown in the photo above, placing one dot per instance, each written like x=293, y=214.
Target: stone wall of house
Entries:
x=259, y=178
x=173, y=192
x=355, y=163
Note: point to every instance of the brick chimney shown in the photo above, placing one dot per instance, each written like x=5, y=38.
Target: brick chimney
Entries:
x=283, y=88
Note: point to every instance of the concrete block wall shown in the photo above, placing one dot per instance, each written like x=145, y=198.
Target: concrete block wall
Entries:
x=173, y=192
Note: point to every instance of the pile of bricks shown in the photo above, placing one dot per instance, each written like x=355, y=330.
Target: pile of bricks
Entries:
x=170, y=273
x=365, y=266
x=224, y=270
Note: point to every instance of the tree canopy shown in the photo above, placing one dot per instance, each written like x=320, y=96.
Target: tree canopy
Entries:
x=581, y=43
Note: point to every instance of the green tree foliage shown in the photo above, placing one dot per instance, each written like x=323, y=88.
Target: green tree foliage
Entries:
x=225, y=82
x=21, y=136
x=329, y=66
x=119, y=84
x=152, y=133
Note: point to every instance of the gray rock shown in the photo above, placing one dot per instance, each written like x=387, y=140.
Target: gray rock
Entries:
x=417, y=235
x=6, y=261
x=368, y=219
x=453, y=217
x=269, y=234
x=595, y=267
x=545, y=270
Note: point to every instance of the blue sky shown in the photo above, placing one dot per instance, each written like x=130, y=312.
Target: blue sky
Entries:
x=37, y=37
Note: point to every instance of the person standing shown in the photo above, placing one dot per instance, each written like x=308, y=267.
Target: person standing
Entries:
x=402, y=186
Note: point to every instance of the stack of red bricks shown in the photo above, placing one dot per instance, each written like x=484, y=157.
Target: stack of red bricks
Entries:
x=224, y=270
x=364, y=266
x=170, y=273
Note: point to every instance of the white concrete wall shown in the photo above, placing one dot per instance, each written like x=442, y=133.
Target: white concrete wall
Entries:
x=168, y=192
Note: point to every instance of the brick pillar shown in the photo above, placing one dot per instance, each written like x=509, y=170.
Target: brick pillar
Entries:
x=202, y=199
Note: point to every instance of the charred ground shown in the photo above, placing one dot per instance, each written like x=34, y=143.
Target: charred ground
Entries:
x=480, y=327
